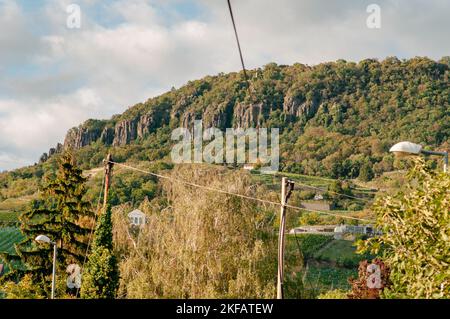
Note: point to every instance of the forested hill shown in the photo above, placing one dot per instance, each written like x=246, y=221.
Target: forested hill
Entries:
x=336, y=118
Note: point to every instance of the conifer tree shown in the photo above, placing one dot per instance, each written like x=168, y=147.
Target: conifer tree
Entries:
x=101, y=274
x=62, y=215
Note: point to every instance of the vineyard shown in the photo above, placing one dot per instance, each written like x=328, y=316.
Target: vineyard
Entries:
x=323, y=279
x=324, y=264
x=8, y=237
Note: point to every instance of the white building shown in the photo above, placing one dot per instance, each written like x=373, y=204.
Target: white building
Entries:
x=137, y=217
x=318, y=197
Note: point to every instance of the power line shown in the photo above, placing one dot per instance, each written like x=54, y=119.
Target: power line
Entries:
x=235, y=194
x=248, y=87
x=239, y=48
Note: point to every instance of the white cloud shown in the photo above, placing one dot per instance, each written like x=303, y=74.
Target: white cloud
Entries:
x=139, y=51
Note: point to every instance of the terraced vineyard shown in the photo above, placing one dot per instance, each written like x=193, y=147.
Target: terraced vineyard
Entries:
x=8, y=237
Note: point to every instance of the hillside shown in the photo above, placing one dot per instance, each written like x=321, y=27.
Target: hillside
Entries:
x=336, y=120
x=334, y=116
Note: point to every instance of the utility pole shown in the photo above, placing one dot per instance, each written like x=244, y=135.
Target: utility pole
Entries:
x=108, y=172
x=286, y=190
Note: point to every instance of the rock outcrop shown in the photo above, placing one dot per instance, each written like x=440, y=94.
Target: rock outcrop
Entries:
x=107, y=136
x=246, y=116
x=78, y=137
x=125, y=132
x=298, y=107
x=54, y=150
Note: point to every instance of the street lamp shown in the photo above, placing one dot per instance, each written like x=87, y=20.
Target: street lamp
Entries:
x=408, y=148
x=45, y=239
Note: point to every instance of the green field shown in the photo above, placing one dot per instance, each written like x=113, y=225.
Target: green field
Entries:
x=11, y=208
x=330, y=263
x=342, y=253
x=7, y=217
x=322, y=279
x=308, y=244
x=8, y=237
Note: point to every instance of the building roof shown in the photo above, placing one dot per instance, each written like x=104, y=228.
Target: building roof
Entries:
x=136, y=213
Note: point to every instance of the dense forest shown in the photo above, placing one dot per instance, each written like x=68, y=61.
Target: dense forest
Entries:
x=337, y=119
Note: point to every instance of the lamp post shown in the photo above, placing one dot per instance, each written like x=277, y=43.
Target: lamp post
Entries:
x=45, y=239
x=408, y=148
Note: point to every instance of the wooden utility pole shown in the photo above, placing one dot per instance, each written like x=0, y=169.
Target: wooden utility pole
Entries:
x=108, y=172
x=286, y=190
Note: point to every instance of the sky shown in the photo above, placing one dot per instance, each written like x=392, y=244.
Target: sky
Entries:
x=53, y=77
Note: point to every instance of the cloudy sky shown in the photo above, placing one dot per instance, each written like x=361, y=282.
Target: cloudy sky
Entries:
x=53, y=77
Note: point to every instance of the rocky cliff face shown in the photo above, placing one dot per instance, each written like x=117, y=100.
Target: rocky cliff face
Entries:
x=246, y=116
x=222, y=116
x=298, y=107
x=54, y=150
x=182, y=111
x=78, y=137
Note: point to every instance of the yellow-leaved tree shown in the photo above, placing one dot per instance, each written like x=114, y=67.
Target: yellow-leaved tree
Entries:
x=416, y=235
x=198, y=243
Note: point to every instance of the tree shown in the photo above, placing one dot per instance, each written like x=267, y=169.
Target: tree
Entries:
x=208, y=246
x=416, y=230
x=366, y=172
x=62, y=215
x=101, y=274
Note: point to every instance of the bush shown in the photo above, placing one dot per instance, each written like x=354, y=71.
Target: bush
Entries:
x=416, y=230
x=334, y=294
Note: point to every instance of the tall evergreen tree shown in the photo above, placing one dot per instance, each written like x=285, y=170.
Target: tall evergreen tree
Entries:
x=101, y=274
x=62, y=215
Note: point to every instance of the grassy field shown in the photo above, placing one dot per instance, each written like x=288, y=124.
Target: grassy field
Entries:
x=11, y=208
x=7, y=217
x=342, y=253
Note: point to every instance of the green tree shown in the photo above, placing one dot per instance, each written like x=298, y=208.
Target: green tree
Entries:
x=366, y=172
x=62, y=215
x=101, y=274
x=416, y=236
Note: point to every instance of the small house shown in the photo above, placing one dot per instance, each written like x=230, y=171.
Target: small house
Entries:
x=137, y=218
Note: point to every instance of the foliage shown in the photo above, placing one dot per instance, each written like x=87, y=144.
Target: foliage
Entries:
x=24, y=289
x=416, y=232
x=101, y=274
x=63, y=216
x=366, y=172
x=360, y=288
x=309, y=219
x=336, y=119
x=334, y=294
x=208, y=246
